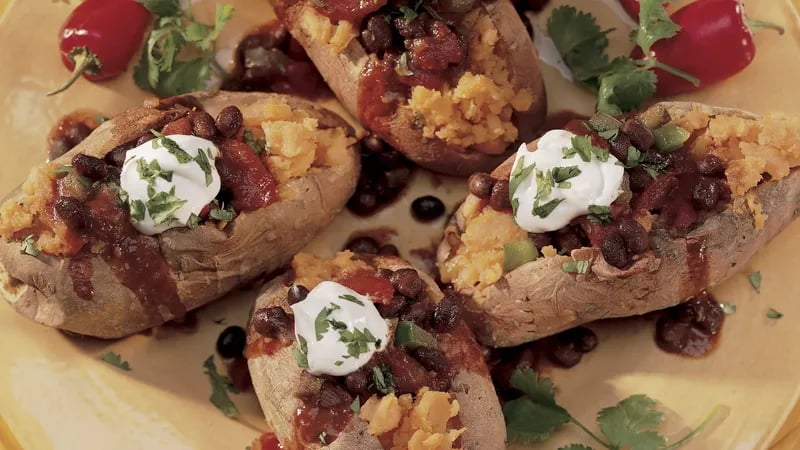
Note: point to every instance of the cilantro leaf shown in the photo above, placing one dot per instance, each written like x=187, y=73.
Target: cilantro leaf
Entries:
x=728, y=308
x=545, y=209
x=626, y=89
x=576, y=447
x=258, y=145
x=536, y=415
x=774, y=314
x=220, y=386
x=222, y=214
x=138, y=210
x=654, y=25
x=600, y=214
x=163, y=205
x=356, y=405
x=755, y=281
x=301, y=352
x=351, y=299
x=581, y=43
x=28, y=246
x=518, y=175
x=382, y=379
x=162, y=8
x=631, y=422
x=115, y=359
x=321, y=322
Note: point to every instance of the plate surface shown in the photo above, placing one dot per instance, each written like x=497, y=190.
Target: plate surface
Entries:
x=56, y=393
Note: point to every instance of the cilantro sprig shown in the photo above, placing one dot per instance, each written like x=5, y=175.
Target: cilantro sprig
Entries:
x=220, y=387
x=179, y=55
x=631, y=423
x=622, y=84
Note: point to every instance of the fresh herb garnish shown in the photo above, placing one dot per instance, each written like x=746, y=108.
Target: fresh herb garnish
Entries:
x=171, y=146
x=600, y=214
x=578, y=266
x=137, y=210
x=180, y=52
x=408, y=13
x=202, y=160
x=258, y=145
x=545, y=209
x=635, y=157
x=382, y=379
x=357, y=341
x=582, y=146
x=148, y=172
x=301, y=352
x=193, y=222
x=220, y=321
x=323, y=436
x=562, y=174
x=223, y=214
x=728, y=308
x=220, y=386
x=28, y=246
x=609, y=135
x=115, y=359
x=356, y=405
x=321, y=323
x=163, y=205
x=774, y=314
x=755, y=281
x=518, y=175
x=63, y=170
x=622, y=84
x=631, y=423
x=352, y=299
x=402, y=67
x=544, y=184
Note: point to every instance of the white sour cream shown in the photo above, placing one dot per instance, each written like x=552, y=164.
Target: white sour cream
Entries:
x=171, y=191
x=597, y=184
x=331, y=305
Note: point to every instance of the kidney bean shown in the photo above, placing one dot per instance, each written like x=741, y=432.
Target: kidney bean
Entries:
x=272, y=322
x=446, y=314
x=377, y=36
x=202, y=124
x=384, y=273
x=77, y=132
x=417, y=312
x=613, y=250
x=427, y=208
x=357, y=382
x=410, y=29
x=73, y=212
x=567, y=239
x=706, y=194
x=481, y=184
x=229, y=120
x=564, y=354
x=636, y=238
x=388, y=250
x=373, y=143
x=116, y=157
x=407, y=282
x=639, y=179
x=712, y=166
x=179, y=126
x=393, y=308
x=408, y=375
x=331, y=395
x=362, y=244
x=641, y=136
x=297, y=293
x=89, y=166
x=499, y=200
x=432, y=359
x=619, y=147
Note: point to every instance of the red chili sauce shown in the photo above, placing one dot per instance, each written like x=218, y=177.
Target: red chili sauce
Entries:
x=692, y=328
x=70, y=131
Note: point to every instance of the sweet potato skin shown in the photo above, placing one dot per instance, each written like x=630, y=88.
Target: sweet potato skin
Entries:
x=205, y=262
x=539, y=299
x=342, y=73
x=277, y=380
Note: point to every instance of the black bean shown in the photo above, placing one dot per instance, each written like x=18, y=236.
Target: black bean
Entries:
x=567, y=239
x=540, y=240
x=229, y=120
x=619, y=147
x=407, y=282
x=639, y=179
x=481, y=184
x=373, y=143
x=564, y=354
x=636, y=238
x=410, y=29
x=427, y=208
x=384, y=273
x=362, y=244
x=363, y=202
x=357, y=382
x=641, y=136
x=331, y=395
x=388, y=250
x=499, y=200
x=446, y=314
x=583, y=339
x=431, y=359
x=377, y=36
x=297, y=293
x=703, y=313
x=417, y=312
x=77, y=132
x=231, y=342
x=116, y=157
x=712, y=166
x=58, y=147
x=272, y=322
x=89, y=166
x=147, y=137
x=706, y=194
x=202, y=124
x=613, y=250
x=75, y=213
x=393, y=308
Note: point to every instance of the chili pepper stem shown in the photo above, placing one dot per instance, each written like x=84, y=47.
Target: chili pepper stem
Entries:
x=758, y=25
x=654, y=63
x=85, y=62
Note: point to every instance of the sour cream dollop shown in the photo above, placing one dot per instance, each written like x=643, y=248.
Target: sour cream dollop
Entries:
x=168, y=181
x=338, y=328
x=597, y=184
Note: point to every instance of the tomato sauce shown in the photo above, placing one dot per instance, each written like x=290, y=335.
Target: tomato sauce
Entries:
x=264, y=346
x=248, y=179
x=365, y=282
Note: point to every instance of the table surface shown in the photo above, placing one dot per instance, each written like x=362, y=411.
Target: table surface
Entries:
x=788, y=438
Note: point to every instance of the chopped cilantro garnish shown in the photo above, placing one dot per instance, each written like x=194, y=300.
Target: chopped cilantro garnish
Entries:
x=194, y=221
x=172, y=147
x=382, y=379
x=356, y=405
x=755, y=281
x=774, y=314
x=222, y=214
x=220, y=386
x=561, y=174
x=545, y=209
x=115, y=359
x=202, y=160
x=352, y=299
x=321, y=323
x=28, y=246
x=301, y=352
x=518, y=175
x=578, y=266
x=728, y=308
x=138, y=210
x=258, y=145
x=148, y=172
x=600, y=214
x=163, y=205
x=357, y=341
x=63, y=170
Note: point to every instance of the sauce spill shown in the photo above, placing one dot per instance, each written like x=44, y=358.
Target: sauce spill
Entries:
x=80, y=272
x=692, y=328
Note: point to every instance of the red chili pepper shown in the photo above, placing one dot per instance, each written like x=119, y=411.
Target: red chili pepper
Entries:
x=100, y=37
x=715, y=42
x=631, y=7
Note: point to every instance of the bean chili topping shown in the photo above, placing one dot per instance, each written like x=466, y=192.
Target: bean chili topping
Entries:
x=420, y=355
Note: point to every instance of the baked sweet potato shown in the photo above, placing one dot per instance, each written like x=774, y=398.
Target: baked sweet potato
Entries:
x=453, y=98
x=692, y=246
x=439, y=391
x=70, y=257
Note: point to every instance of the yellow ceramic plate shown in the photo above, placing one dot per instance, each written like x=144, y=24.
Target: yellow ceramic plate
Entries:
x=56, y=393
